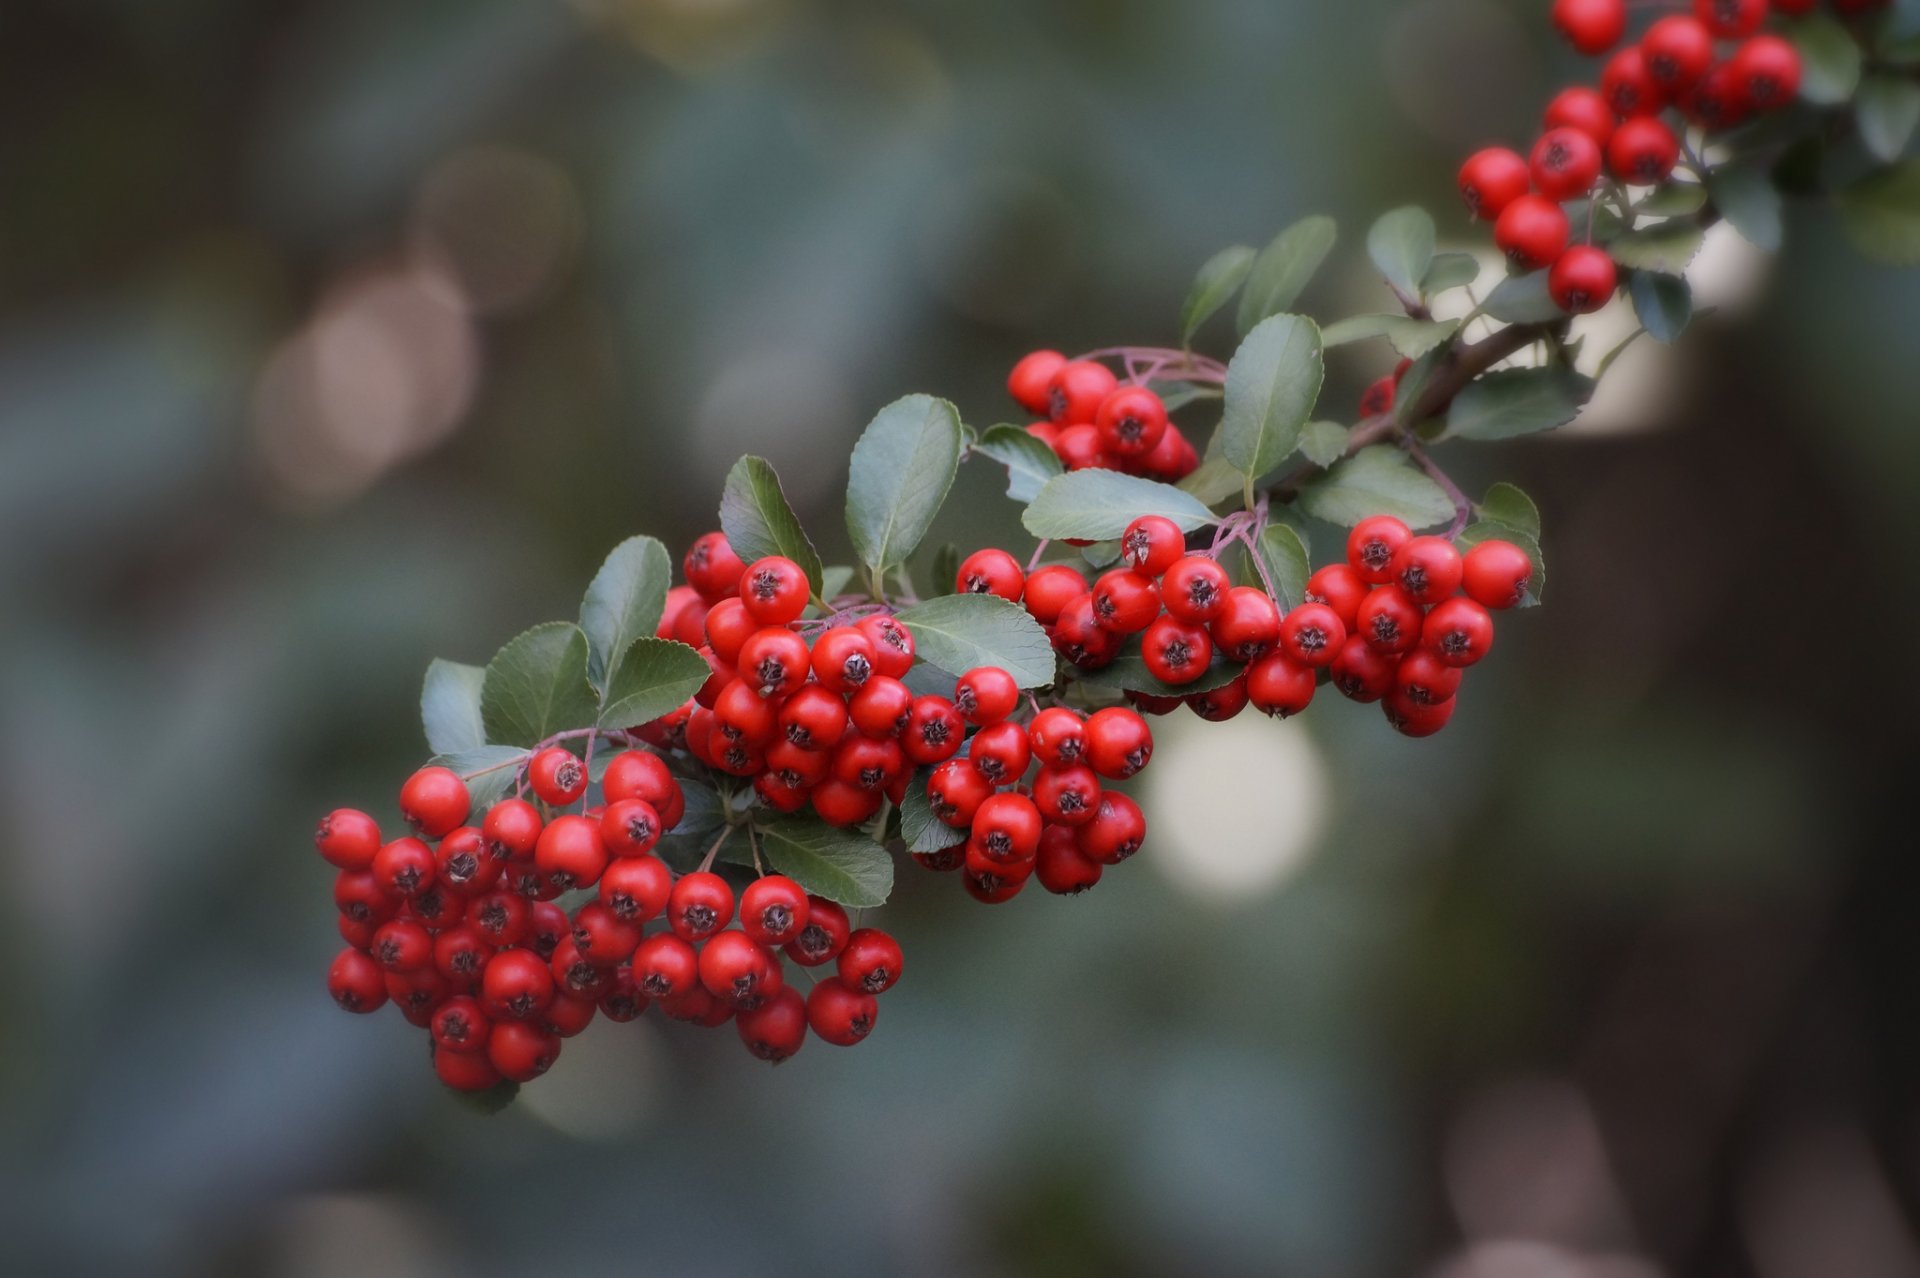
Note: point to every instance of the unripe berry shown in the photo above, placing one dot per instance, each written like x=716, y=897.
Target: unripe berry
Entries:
x=990, y=572
x=435, y=800
x=557, y=776
x=774, y=590
x=1532, y=231
x=347, y=838
x=1583, y=280
x=870, y=962
x=1150, y=545
x=1030, y=380
x=1492, y=179
x=1565, y=163
x=1495, y=574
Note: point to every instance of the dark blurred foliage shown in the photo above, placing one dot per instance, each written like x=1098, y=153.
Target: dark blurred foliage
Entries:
x=337, y=336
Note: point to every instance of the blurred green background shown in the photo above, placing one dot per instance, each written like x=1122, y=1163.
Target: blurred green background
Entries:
x=337, y=336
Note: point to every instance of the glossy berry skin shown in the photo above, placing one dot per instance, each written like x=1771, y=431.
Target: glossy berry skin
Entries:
x=1119, y=743
x=843, y=659
x=1532, y=231
x=557, y=776
x=1248, y=627
x=347, y=839
x=1031, y=379
x=1565, y=163
x=1125, y=602
x=1080, y=448
x=1377, y=400
x=840, y=1014
x=1458, y=631
x=840, y=804
x=986, y=694
x=1495, y=574
x=602, y=937
x=795, y=768
x=1222, y=703
x=517, y=985
x=1194, y=589
x=1412, y=719
x=357, y=982
x=459, y=1025
x=990, y=572
x=1115, y=831
x=1150, y=545
x=665, y=966
x=1312, y=635
x=403, y=867
x=1629, y=87
x=699, y=905
x=735, y=969
x=1361, y=672
x=547, y=927
x=1678, y=49
x=1583, y=280
x=1059, y=736
x=1340, y=588
x=773, y=910
x=1591, y=26
x=1001, y=752
x=434, y=800
x=777, y=1028
x=1077, y=389
x=1643, y=151
x=870, y=962
x=635, y=888
x=992, y=882
x=568, y=1014
x=934, y=731
x=1423, y=678
x=774, y=661
x=1067, y=795
x=1731, y=19
x=465, y=1071
x=1767, y=71
x=1079, y=637
x=1428, y=569
x=813, y=718
x=1390, y=621
x=1280, y=686
x=402, y=945
x=774, y=590
x=570, y=852
x=824, y=936
x=892, y=645
x=1131, y=421
x=637, y=774
x=1372, y=545
x=881, y=707
x=1050, y=589
x=501, y=917
x=623, y=1002
x=727, y=626
x=510, y=829
x=1061, y=866
x=1176, y=651
x=711, y=567
x=1007, y=828
x=522, y=1051
x=955, y=791
x=1492, y=179
x=1581, y=108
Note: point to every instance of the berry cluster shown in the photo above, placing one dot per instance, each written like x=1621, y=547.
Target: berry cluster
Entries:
x=1091, y=419
x=459, y=925
x=1714, y=68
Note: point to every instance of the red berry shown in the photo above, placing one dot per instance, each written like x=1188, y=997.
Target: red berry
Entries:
x=664, y=965
x=517, y=985
x=501, y=917
x=1767, y=70
x=624, y=1001
x=727, y=626
x=1423, y=678
x=1115, y=831
x=1001, y=752
x=824, y=936
x=892, y=645
x=868, y=763
x=435, y=800
x=1583, y=280
x=1062, y=867
x=522, y=1051
x=711, y=566
x=1222, y=703
x=637, y=774
x=635, y=888
x=1361, y=672
x=699, y=905
x=1007, y=828
x=1377, y=400
x=1533, y=231
x=1131, y=421
x=547, y=926
x=1059, y=736
x=1719, y=100
x=777, y=1028
x=1591, y=26
x=1176, y=651
x=774, y=590
x=602, y=937
x=1119, y=743
x=1076, y=389
x=1340, y=588
x=735, y=968
x=1031, y=380
x=347, y=838
x=840, y=804
x=1150, y=545
x=417, y=993
x=1050, y=589
x=986, y=694
x=1581, y=108
x=1125, y=601
x=403, y=867
x=1068, y=795
x=990, y=572
x=934, y=731
x=1731, y=19
x=992, y=882
x=557, y=776
x=511, y=828
x=870, y=962
x=813, y=718
x=1079, y=637
x=842, y=659
x=1492, y=179
x=1372, y=545
x=955, y=791
x=839, y=1014
x=569, y=1014
x=1428, y=569
x=1459, y=631
x=1565, y=163
x=1248, y=627
x=459, y=1025
x=357, y=982
x=1495, y=574
x=1411, y=718
x=402, y=945
x=1312, y=634
x=773, y=910
x=465, y=1071
x=773, y=662
x=1194, y=589
x=683, y=617
x=1678, y=50
x=1643, y=151
x=1629, y=87
x=879, y=709
x=697, y=1007
x=1080, y=448
x=1279, y=685
x=570, y=852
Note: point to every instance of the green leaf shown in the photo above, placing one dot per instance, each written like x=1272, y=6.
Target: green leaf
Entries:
x=1029, y=462
x=1664, y=303
x=624, y=602
x=537, y=686
x=1273, y=382
x=758, y=521
x=835, y=580
x=1322, y=442
x=1177, y=394
x=1213, y=481
x=920, y=829
x=1401, y=246
x=1523, y=299
x=490, y=770
x=842, y=865
x=1284, y=268
x=1506, y=504
x=1217, y=281
x=1517, y=401
x=1097, y=505
x=1829, y=59
x=1676, y=199
x=654, y=677
x=1750, y=201
x=1667, y=246
x=1881, y=214
x=1128, y=673
x=1284, y=556
x=1887, y=110
x=958, y=632
x=450, y=707
x=1450, y=270
x=1377, y=480
x=1474, y=534
x=945, y=570
x=903, y=466
x=1408, y=336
